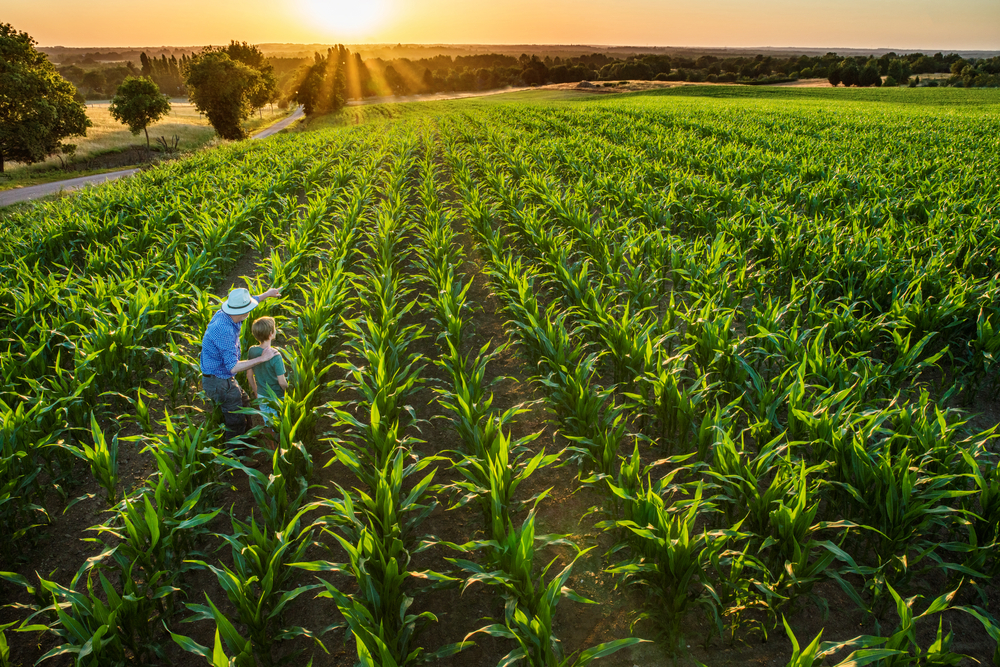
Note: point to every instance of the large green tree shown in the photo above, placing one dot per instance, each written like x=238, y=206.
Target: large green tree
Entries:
x=139, y=103
x=37, y=109
x=224, y=90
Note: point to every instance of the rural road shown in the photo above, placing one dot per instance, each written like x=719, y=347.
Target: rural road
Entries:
x=8, y=197
x=280, y=125
x=16, y=196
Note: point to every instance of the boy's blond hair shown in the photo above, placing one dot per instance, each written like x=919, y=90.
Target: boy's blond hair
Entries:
x=262, y=328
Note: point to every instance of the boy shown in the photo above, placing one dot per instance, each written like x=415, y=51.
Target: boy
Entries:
x=268, y=379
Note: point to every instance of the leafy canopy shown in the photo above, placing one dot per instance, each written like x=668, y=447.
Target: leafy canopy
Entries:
x=37, y=109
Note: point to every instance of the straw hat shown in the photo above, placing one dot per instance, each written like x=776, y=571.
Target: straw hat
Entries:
x=239, y=302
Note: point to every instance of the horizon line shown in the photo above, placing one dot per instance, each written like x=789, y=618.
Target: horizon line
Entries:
x=547, y=45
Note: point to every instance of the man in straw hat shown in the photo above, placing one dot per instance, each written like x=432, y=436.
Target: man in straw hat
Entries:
x=220, y=358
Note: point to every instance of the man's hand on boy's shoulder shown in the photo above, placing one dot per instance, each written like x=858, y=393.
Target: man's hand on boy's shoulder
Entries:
x=267, y=353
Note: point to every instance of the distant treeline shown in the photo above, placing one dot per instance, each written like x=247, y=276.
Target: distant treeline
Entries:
x=477, y=72
x=443, y=73
x=102, y=81
x=168, y=74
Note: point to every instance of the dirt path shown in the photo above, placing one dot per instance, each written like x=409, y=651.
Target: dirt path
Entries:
x=8, y=197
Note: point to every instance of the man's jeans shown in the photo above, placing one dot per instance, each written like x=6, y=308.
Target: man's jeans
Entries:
x=228, y=395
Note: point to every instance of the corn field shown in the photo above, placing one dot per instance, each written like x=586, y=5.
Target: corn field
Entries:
x=677, y=378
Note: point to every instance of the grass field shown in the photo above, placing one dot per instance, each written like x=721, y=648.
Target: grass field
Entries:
x=109, y=136
x=711, y=367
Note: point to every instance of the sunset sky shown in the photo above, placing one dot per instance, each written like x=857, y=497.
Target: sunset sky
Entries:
x=900, y=24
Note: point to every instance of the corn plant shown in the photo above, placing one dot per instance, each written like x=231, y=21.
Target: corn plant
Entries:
x=903, y=502
x=671, y=556
x=378, y=615
x=186, y=460
x=281, y=495
x=95, y=631
x=901, y=647
x=797, y=559
x=750, y=487
x=815, y=653
x=4, y=647
x=21, y=492
x=103, y=459
x=241, y=648
x=392, y=511
x=531, y=628
x=255, y=585
x=984, y=509
x=740, y=584
x=493, y=474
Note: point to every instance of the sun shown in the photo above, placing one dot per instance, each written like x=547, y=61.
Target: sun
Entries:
x=347, y=18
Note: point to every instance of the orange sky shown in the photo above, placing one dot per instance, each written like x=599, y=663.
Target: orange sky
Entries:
x=900, y=24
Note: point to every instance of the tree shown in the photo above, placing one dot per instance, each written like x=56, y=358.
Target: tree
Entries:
x=924, y=65
x=323, y=86
x=139, y=103
x=94, y=79
x=849, y=73
x=250, y=55
x=899, y=70
x=224, y=90
x=37, y=109
x=869, y=75
x=395, y=81
x=359, y=79
x=336, y=75
x=307, y=93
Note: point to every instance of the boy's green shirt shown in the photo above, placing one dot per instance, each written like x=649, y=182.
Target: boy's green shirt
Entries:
x=267, y=373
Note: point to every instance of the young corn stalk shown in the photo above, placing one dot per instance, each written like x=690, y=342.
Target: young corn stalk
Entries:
x=103, y=459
